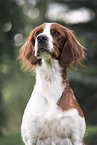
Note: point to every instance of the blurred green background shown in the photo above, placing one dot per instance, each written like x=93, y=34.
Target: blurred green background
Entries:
x=17, y=19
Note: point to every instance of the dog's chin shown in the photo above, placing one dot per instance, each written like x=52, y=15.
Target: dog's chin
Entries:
x=44, y=53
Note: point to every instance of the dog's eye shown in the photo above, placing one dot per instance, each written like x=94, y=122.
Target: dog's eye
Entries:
x=37, y=33
x=56, y=33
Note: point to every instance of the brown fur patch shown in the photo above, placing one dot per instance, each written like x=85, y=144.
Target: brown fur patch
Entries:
x=68, y=101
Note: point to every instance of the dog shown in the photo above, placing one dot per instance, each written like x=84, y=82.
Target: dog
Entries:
x=52, y=115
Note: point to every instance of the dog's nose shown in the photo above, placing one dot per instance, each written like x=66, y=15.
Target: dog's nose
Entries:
x=42, y=38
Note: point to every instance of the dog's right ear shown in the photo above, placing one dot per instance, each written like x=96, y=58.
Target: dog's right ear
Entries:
x=27, y=52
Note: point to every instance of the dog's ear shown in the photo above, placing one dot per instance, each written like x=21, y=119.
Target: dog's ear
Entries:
x=72, y=50
x=27, y=52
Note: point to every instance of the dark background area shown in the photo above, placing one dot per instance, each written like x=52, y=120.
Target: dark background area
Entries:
x=17, y=19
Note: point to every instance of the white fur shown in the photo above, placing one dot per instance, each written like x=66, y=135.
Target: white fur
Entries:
x=43, y=122
x=47, y=33
x=35, y=48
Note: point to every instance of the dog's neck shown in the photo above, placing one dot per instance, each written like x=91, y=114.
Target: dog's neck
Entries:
x=52, y=83
x=50, y=69
x=51, y=78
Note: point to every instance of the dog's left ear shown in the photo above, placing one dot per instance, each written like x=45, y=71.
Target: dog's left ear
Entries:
x=72, y=50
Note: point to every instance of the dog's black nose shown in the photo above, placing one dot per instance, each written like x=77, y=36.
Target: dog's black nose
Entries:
x=42, y=38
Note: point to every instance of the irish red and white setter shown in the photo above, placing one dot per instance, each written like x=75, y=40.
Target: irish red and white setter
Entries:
x=52, y=115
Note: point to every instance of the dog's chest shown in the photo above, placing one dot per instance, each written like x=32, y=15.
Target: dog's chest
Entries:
x=55, y=124
x=46, y=120
x=52, y=123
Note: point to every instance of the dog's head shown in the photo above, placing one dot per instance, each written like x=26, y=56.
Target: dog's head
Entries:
x=52, y=40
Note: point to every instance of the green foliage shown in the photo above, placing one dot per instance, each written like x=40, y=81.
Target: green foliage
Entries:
x=16, y=94
x=12, y=139
x=11, y=22
x=91, y=135
x=13, y=14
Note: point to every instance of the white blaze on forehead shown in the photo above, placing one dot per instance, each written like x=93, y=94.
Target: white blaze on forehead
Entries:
x=46, y=32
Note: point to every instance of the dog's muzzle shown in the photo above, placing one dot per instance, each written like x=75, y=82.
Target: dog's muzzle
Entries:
x=42, y=43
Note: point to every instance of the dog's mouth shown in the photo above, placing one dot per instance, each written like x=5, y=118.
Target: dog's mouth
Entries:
x=42, y=50
x=43, y=53
x=46, y=54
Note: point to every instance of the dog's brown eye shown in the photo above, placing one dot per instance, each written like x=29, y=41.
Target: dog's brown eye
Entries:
x=37, y=33
x=56, y=33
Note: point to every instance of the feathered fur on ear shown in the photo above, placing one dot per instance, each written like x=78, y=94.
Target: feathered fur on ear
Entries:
x=72, y=50
x=27, y=52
